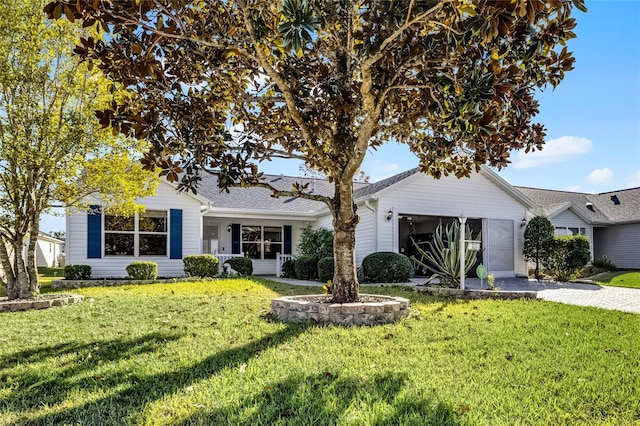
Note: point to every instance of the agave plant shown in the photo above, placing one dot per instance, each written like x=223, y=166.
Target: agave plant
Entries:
x=443, y=256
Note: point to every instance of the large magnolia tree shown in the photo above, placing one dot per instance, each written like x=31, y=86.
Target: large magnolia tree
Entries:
x=324, y=81
x=52, y=150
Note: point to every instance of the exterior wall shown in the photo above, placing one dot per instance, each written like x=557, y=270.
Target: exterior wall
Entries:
x=569, y=219
x=476, y=197
x=620, y=244
x=366, y=236
x=260, y=266
x=48, y=253
x=115, y=266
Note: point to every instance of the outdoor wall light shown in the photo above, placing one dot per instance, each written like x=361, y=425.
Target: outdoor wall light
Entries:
x=229, y=228
x=389, y=215
x=523, y=223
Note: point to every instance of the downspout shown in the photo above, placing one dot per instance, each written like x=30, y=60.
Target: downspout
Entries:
x=368, y=205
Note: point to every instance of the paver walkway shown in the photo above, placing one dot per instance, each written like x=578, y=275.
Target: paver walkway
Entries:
x=617, y=298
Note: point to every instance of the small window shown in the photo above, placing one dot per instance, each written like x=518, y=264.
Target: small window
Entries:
x=152, y=228
x=261, y=242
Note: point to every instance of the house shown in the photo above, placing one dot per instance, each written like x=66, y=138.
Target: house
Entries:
x=248, y=221
x=49, y=251
x=610, y=220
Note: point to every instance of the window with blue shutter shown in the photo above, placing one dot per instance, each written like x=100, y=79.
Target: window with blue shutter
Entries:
x=175, y=234
x=94, y=233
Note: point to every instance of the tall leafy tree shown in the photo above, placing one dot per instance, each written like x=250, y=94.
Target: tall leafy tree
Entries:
x=324, y=81
x=52, y=149
x=538, y=241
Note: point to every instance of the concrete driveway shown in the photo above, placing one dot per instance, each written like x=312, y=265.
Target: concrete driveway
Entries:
x=616, y=298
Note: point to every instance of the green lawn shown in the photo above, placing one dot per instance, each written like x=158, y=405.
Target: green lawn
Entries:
x=208, y=353
x=618, y=279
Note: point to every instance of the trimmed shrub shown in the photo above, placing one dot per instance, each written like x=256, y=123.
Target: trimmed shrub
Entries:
x=605, y=264
x=143, y=270
x=306, y=267
x=570, y=254
x=242, y=265
x=289, y=269
x=77, y=272
x=387, y=267
x=200, y=265
x=325, y=269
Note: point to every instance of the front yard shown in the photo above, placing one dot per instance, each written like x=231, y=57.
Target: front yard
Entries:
x=208, y=353
x=618, y=279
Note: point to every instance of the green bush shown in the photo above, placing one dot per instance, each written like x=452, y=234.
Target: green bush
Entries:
x=77, y=272
x=317, y=243
x=387, y=267
x=306, y=267
x=142, y=270
x=325, y=269
x=605, y=264
x=289, y=269
x=242, y=265
x=570, y=253
x=200, y=265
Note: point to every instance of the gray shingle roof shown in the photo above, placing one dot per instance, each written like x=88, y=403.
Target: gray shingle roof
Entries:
x=384, y=183
x=252, y=198
x=604, y=210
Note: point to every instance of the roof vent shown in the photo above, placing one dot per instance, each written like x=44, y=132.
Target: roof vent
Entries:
x=589, y=206
x=615, y=200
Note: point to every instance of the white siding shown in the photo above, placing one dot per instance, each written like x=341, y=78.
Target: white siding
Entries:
x=115, y=266
x=620, y=244
x=476, y=197
x=568, y=219
x=366, y=237
x=325, y=221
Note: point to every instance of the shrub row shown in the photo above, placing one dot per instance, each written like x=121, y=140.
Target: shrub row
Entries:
x=198, y=265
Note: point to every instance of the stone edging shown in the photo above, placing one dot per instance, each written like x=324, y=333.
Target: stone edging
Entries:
x=47, y=302
x=476, y=294
x=106, y=282
x=296, y=309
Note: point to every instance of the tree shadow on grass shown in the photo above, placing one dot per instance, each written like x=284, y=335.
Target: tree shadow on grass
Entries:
x=72, y=363
x=328, y=399
x=125, y=393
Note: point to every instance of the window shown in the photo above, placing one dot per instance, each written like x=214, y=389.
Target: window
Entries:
x=140, y=235
x=261, y=242
x=563, y=230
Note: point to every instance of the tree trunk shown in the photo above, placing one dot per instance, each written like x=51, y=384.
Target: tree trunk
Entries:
x=32, y=267
x=22, y=284
x=345, y=276
x=8, y=278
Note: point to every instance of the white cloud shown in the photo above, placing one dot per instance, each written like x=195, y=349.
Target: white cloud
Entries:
x=554, y=151
x=634, y=180
x=599, y=176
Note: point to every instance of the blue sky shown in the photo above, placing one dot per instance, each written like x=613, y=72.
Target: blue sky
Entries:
x=592, y=118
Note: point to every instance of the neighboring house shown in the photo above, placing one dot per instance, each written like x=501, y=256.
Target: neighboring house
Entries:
x=49, y=251
x=249, y=221
x=610, y=220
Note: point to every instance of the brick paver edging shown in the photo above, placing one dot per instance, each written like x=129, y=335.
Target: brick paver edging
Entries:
x=476, y=294
x=46, y=301
x=300, y=309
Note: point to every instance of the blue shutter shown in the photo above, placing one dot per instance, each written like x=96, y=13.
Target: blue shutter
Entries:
x=287, y=240
x=235, y=238
x=94, y=233
x=175, y=234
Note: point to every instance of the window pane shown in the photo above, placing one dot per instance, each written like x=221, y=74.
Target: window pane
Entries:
x=118, y=244
x=251, y=233
x=252, y=250
x=153, y=221
x=270, y=249
x=273, y=234
x=153, y=245
x=573, y=231
x=118, y=223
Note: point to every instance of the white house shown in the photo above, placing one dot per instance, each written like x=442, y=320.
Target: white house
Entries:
x=250, y=221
